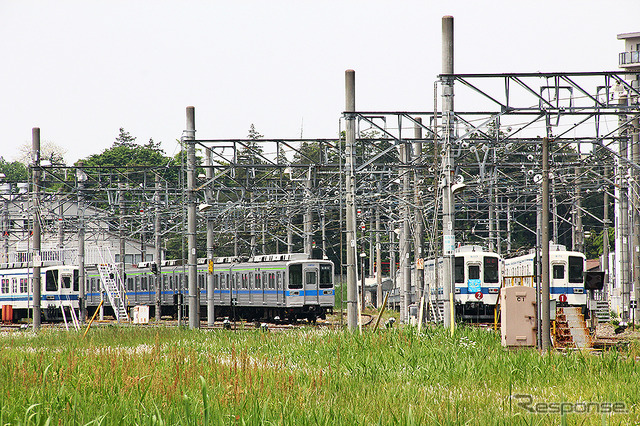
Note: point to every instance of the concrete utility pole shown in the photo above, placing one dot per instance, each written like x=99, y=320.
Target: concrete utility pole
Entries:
x=350, y=135
x=544, y=296
x=158, y=246
x=605, y=234
x=418, y=235
x=622, y=237
x=405, y=238
x=308, y=215
x=189, y=139
x=211, y=315
x=121, y=233
x=379, y=296
x=448, y=213
x=578, y=230
x=635, y=155
x=81, y=177
x=35, y=157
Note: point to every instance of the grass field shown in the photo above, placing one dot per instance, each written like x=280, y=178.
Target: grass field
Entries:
x=304, y=376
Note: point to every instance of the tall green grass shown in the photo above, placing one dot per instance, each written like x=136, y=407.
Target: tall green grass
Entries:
x=167, y=376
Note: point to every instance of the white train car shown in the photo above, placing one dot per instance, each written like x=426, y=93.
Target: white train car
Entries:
x=59, y=290
x=566, y=274
x=477, y=278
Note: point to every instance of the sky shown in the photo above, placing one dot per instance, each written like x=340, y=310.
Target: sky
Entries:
x=80, y=70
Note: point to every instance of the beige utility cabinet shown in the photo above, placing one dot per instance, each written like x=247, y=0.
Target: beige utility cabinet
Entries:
x=518, y=316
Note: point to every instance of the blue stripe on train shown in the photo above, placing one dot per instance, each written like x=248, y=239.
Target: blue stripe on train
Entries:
x=46, y=297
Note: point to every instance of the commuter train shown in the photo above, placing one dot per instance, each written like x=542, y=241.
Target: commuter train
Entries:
x=477, y=278
x=58, y=290
x=566, y=275
x=280, y=286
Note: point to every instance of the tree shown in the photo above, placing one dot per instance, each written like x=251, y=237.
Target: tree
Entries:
x=49, y=151
x=14, y=171
x=125, y=139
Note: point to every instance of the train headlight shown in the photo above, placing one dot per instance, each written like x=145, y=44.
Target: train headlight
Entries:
x=578, y=291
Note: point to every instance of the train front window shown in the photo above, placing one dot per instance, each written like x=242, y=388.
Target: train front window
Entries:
x=311, y=277
x=459, y=270
x=66, y=281
x=558, y=272
x=325, y=276
x=295, y=276
x=576, y=269
x=51, y=279
x=474, y=272
x=491, y=269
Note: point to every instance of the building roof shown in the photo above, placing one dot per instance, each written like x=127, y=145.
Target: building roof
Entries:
x=593, y=264
x=628, y=35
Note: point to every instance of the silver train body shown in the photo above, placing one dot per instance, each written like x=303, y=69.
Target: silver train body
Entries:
x=58, y=284
x=566, y=274
x=288, y=286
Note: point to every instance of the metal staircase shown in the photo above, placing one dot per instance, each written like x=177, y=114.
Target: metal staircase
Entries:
x=436, y=310
x=571, y=329
x=112, y=285
x=602, y=311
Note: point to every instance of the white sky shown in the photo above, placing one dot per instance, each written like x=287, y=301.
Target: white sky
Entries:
x=80, y=70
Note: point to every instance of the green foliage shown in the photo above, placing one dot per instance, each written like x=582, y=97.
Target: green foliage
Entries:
x=125, y=152
x=14, y=171
x=303, y=376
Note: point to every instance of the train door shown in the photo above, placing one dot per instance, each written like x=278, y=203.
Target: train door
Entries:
x=311, y=296
x=575, y=286
x=558, y=285
x=279, y=288
x=66, y=284
x=474, y=283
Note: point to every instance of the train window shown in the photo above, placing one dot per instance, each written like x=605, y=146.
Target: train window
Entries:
x=14, y=285
x=137, y=284
x=279, y=282
x=23, y=285
x=51, y=279
x=272, y=280
x=143, y=284
x=558, y=272
x=491, y=269
x=576, y=269
x=170, y=282
x=66, y=281
x=201, y=281
x=215, y=281
x=459, y=270
x=76, y=280
x=474, y=272
x=258, y=280
x=311, y=277
x=245, y=281
x=325, y=276
x=130, y=284
x=295, y=276
x=5, y=285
